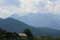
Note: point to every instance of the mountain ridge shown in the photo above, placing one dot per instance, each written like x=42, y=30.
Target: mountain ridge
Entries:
x=37, y=20
x=13, y=25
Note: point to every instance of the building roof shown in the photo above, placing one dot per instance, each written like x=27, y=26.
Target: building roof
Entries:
x=22, y=34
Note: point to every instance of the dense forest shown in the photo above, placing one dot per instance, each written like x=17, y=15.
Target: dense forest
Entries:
x=4, y=35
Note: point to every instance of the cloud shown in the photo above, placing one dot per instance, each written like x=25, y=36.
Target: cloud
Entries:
x=7, y=8
x=23, y=7
x=39, y=6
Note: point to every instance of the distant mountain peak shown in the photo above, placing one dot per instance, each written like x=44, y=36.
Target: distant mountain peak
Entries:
x=13, y=25
x=39, y=19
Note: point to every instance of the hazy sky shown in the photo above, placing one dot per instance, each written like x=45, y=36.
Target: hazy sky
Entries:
x=23, y=7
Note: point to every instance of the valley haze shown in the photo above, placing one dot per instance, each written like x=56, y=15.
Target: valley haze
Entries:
x=42, y=16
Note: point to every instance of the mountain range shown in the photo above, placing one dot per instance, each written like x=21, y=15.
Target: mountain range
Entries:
x=13, y=25
x=40, y=20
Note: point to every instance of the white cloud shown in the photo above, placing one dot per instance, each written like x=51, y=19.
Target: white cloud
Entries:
x=6, y=11
x=23, y=7
x=47, y=6
x=7, y=8
x=36, y=6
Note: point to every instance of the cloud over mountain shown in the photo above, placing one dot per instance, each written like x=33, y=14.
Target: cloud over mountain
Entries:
x=23, y=7
x=7, y=7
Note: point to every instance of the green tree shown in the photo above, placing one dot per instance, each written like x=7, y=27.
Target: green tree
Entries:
x=29, y=33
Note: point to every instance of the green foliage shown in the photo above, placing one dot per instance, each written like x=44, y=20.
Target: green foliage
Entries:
x=28, y=32
x=4, y=35
x=46, y=38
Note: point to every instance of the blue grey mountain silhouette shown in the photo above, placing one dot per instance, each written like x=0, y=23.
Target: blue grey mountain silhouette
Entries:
x=40, y=20
x=13, y=25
